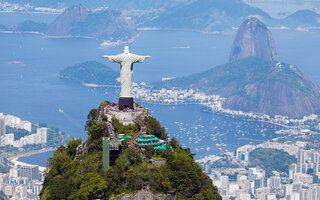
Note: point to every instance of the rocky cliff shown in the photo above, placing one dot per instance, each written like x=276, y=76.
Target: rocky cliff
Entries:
x=253, y=39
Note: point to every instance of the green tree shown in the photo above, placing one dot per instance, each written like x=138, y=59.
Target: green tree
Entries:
x=91, y=118
x=149, y=152
x=56, y=185
x=198, y=196
x=130, y=129
x=72, y=147
x=95, y=133
x=174, y=143
x=154, y=128
x=93, y=186
x=104, y=117
x=187, y=177
x=105, y=103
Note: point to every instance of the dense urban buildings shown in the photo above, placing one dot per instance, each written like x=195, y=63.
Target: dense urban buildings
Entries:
x=7, y=138
x=23, y=182
x=248, y=183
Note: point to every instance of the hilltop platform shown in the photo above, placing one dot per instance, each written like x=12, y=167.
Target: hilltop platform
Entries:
x=125, y=116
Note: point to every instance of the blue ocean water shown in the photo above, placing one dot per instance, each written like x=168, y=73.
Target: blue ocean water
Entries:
x=37, y=159
x=33, y=90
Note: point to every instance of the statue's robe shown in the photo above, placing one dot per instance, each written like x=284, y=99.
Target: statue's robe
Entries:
x=126, y=60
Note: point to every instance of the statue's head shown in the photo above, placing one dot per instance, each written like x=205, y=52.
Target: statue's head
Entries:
x=126, y=49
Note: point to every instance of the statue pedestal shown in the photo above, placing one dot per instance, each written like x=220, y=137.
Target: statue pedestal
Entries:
x=125, y=103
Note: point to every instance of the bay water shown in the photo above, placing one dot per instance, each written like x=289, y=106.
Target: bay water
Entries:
x=30, y=86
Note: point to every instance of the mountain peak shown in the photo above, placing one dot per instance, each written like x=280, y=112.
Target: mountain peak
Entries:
x=253, y=39
x=64, y=22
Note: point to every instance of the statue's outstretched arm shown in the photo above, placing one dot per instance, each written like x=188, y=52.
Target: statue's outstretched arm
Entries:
x=139, y=59
x=116, y=59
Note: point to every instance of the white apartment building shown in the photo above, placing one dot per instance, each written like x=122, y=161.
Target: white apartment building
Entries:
x=16, y=122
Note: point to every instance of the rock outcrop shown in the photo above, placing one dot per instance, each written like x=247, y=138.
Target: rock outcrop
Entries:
x=64, y=23
x=253, y=39
x=143, y=195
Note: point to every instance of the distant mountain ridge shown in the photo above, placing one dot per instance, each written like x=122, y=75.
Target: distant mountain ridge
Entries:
x=206, y=15
x=302, y=18
x=200, y=15
x=79, y=21
x=92, y=4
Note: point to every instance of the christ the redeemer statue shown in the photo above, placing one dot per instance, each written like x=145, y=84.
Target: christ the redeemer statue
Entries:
x=126, y=59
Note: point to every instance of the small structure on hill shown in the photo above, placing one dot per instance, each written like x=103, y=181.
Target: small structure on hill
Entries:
x=149, y=141
x=125, y=116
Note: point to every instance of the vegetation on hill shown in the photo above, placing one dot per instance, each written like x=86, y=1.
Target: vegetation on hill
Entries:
x=18, y=133
x=90, y=72
x=224, y=163
x=271, y=160
x=82, y=177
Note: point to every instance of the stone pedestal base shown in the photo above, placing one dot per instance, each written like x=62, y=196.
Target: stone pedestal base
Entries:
x=125, y=103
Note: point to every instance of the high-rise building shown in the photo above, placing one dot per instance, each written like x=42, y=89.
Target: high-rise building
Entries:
x=31, y=172
x=21, y=191
x=37, y=187
x=275, y=182
x=224, y=181
x=2, y=131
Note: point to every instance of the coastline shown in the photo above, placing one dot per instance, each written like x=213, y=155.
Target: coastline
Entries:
x=14, y=159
